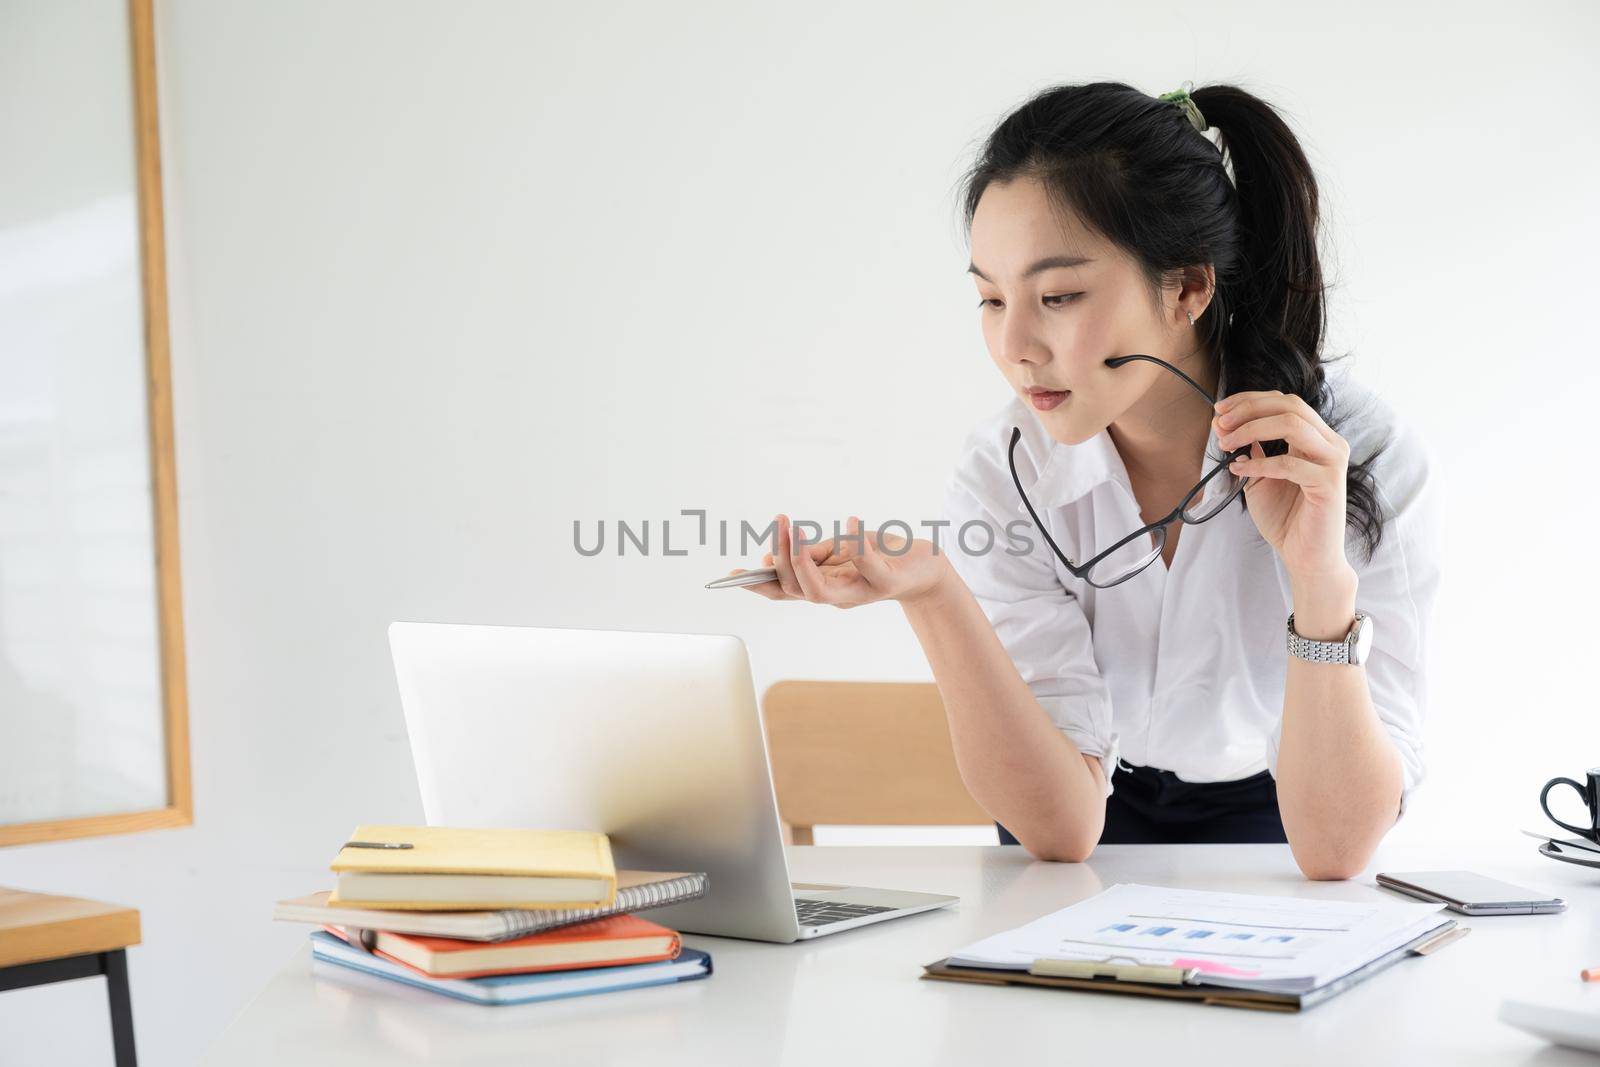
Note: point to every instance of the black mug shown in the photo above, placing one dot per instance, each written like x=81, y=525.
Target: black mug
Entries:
x=1591, y=799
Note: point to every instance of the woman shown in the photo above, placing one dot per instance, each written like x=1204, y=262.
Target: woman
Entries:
x=1125, y=280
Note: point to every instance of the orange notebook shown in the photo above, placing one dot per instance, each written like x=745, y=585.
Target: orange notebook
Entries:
x=607, y=942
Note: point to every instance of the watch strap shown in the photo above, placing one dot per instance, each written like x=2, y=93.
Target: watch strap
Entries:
x=1322, y=651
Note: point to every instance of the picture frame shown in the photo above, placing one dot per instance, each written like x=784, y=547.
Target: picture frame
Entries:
x=114, y=568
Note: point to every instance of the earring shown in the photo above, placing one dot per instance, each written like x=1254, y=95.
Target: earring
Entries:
x=1191, y=317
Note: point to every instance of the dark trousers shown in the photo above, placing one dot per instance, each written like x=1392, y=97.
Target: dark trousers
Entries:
x=1151, y=806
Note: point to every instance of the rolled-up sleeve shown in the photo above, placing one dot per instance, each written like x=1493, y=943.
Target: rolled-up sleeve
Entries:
x=1398, y=587
x=994, y=546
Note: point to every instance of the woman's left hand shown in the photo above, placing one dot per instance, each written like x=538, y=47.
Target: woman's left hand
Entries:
x=1297, y=499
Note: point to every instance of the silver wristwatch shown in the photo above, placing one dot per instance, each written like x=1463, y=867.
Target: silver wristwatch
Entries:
x=1352, y=650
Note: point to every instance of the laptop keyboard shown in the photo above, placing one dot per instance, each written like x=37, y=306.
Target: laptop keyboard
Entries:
x=823, y=912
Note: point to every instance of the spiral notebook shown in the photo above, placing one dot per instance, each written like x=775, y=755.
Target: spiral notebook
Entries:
x=636, y=891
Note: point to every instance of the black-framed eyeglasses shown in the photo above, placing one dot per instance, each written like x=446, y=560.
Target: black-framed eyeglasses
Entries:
x=1129, y=556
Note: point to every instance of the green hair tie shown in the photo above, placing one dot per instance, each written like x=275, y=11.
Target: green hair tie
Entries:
x=1186, y=102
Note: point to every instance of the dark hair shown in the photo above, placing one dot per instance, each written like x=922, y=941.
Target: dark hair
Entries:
x=1135, y=168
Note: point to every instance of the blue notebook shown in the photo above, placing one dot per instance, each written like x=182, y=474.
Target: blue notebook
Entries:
x=519, y=988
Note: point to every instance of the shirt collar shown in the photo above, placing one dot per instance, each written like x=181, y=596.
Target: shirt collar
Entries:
x=1073, y=471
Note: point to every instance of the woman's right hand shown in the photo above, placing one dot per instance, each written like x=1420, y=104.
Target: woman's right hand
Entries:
x=860, y=568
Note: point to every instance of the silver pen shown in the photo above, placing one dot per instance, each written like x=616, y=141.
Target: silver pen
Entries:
x=755, y=577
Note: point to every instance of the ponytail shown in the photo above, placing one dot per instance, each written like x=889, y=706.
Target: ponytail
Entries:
x=1277, y=311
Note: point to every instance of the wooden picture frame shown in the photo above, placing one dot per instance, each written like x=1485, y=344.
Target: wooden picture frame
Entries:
x=178, y=810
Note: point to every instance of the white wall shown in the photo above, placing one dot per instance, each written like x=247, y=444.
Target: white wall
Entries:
x=447, y=276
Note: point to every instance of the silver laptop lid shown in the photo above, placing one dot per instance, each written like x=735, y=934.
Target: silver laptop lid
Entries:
x=652, y=738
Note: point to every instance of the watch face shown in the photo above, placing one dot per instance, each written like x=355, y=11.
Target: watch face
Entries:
x=1364, y=640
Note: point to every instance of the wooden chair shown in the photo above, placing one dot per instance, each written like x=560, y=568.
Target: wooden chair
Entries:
x=54, y=939
x=863, y=754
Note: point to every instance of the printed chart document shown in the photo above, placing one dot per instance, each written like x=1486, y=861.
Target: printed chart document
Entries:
x=1240, y=940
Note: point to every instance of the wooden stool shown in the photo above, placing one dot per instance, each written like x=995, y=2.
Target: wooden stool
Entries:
x=54, y=939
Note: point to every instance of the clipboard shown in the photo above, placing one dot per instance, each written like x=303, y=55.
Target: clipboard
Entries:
x=1107, y=976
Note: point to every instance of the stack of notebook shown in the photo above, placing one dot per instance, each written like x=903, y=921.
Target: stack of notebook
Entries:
x=497, y=916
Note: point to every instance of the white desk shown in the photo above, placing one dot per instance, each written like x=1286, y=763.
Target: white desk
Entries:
x=856, y=997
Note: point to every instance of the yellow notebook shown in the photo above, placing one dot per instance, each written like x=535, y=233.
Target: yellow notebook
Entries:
x=450, y=869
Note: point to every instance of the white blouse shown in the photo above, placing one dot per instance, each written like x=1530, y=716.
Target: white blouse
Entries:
x=1184, y=669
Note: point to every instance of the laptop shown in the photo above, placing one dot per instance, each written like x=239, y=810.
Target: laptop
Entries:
x=654, y=739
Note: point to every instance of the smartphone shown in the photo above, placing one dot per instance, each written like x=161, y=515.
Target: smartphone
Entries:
x=1471, y=894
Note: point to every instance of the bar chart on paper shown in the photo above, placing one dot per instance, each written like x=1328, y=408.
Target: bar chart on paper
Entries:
x=1245, y=940
x=1221, y=937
